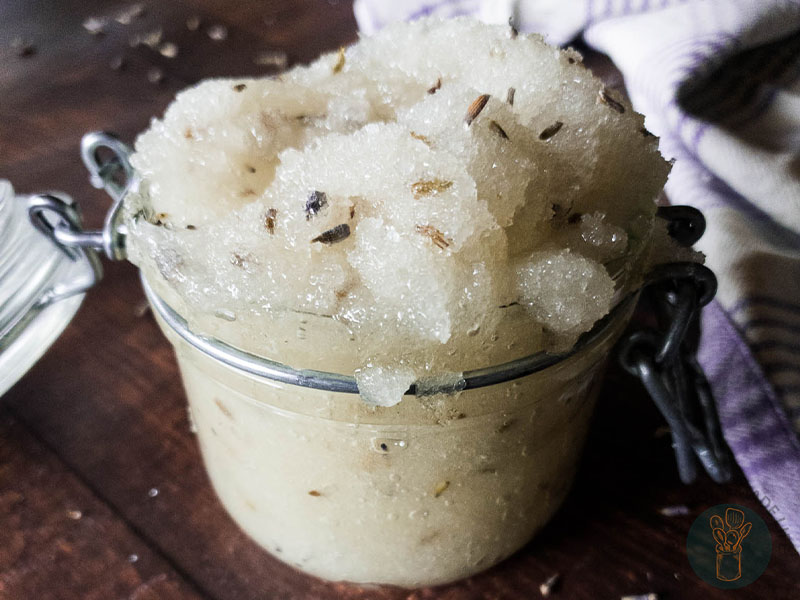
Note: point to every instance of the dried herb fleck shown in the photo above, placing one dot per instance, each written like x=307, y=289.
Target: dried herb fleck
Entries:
x=160, y=219
x=188, y=134
x=333, y=235
x=430, y=187
x=23, y=48
x=436, y=86
x=315, y=493
x=223, y=409
x=495, y=127
x=514, y=32
x=437, y=237
x=250, y=168
x=218, y=33
x=475, y=108
x=240, y=87
x=247, y=192
x=549, y=132
x=118, y=63
x=550, y=584
x=604, y=97
x=421, y=138
x=510, y=95
x=191, y=227
x=270, y=220
x=440, y=488
x=168, y=50
x=339, y=61
x=316, y=202
x=96, y=25
x=193, y=23
x=506, y=425
x=155, y=75
x=237, y=260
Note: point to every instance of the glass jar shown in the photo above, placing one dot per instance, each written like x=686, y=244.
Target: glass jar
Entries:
x=434, y=489
x=41, y=287
x=439, y=487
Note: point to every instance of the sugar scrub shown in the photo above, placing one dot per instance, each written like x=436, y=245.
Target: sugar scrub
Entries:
x=444, y=196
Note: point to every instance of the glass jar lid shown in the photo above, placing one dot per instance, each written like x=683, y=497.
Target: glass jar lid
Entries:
x=41, y=287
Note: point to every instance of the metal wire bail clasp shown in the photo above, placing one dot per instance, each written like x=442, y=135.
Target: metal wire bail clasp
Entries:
x=58, y=217
x=664, y=359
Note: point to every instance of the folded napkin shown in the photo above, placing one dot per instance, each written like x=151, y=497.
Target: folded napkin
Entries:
x=719, y=83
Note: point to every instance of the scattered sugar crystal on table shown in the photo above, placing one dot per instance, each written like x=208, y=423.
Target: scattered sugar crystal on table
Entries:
x=443, y=191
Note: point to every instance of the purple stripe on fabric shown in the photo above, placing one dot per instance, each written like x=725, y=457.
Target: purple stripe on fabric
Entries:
x=767, y=345
x=780, y=367
x=733, y=199
x=761, y=300
x=773, y=461
x=753, y=441
x=772, y=466
x=768, y=322
x=752, y=413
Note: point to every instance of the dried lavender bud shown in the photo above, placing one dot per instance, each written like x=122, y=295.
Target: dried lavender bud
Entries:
x=549, y=132
x=605, y=98
x=436, y=86
x=440, y=488
x=510, y=95
x=475, y=108
x=333, y=235
x=436, y=236
x=240, y=87
x=495, y=126
x=339, y=61
x=514, y=32
x=429, y=187
x=270, y=220
x=421, y=138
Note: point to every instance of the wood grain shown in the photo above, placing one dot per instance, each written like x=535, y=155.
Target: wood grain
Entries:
x=100, y=421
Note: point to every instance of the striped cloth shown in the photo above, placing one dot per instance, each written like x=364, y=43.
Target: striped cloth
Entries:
x=719, y=82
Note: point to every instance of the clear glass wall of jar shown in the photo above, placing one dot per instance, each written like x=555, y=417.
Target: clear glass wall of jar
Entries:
x=429, y=491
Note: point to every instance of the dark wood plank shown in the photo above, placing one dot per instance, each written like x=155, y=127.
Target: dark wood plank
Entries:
x=107, y=397
x=58, y=540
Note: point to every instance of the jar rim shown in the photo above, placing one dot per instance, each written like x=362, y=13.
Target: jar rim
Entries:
x=260, y=366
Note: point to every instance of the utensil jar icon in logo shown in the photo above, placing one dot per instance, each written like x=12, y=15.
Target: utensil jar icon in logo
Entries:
x=728, y=535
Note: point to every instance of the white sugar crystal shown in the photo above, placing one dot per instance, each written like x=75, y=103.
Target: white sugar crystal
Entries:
x=565, y=291
x=352, y=207
x=382, y=386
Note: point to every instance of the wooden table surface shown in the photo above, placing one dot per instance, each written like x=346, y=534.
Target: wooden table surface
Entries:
x=102, y=490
